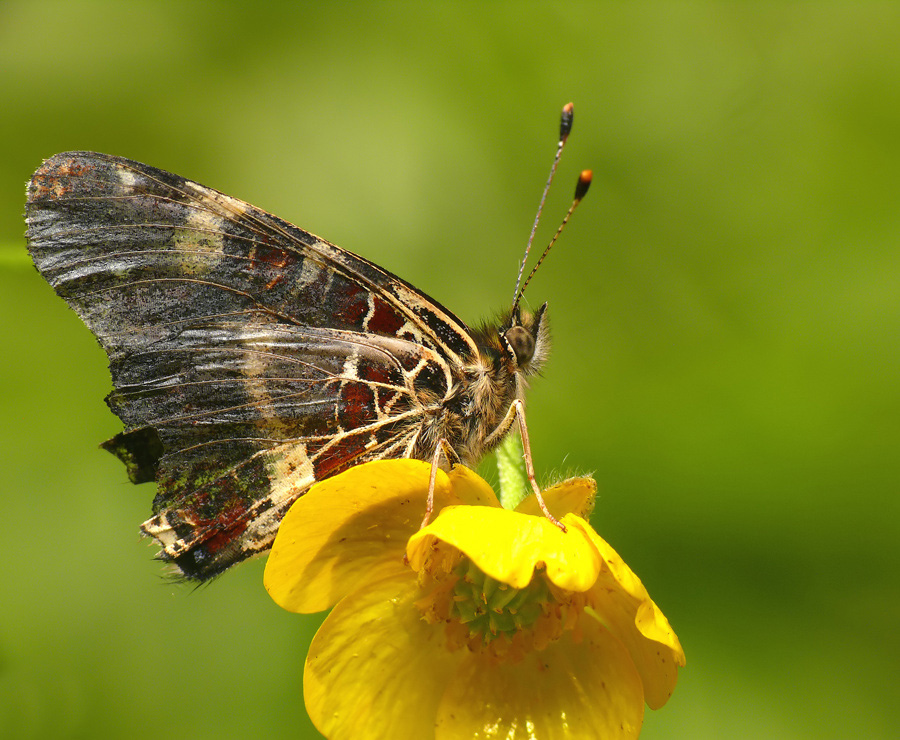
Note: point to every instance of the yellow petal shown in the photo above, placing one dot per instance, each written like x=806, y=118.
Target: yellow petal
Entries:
x=571, y=496
x=470, y=488
x=348, y=530
x=623, y=605
x=508, y=546
x=375, y=669
x=585, y=690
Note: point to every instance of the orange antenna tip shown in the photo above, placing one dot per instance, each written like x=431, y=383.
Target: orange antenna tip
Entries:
x=584, y=182
x=565, y=121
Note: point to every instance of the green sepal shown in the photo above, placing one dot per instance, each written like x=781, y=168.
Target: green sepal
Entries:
x=514, y=484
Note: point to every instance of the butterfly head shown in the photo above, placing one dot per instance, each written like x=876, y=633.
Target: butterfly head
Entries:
x=524, y=340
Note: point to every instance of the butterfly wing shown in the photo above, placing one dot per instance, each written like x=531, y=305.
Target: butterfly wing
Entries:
x=249, y=358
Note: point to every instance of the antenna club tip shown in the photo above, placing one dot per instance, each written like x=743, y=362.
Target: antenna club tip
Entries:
x=565, y=121
x=584, y=182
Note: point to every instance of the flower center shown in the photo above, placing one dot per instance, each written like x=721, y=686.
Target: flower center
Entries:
x=488, y=616
x=490, y=608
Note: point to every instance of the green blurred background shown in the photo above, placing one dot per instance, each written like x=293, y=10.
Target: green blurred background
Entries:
x=724, y=306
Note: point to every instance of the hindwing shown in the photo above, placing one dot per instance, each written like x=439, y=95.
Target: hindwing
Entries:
x=249, y=358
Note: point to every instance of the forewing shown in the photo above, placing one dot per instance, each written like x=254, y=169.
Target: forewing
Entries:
x=249, y=358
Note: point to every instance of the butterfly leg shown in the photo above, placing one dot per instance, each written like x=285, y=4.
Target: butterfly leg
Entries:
x=517, y=413
x=443, y=447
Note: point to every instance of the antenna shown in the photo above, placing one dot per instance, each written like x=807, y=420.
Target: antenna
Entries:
x=565, y=127
x=581, y=188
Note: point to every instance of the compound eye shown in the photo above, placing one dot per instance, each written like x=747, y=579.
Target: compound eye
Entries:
x=522, y=344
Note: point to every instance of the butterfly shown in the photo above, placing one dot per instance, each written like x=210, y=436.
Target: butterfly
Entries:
x=250, y=358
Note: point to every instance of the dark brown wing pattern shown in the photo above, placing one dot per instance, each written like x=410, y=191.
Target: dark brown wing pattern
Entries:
x=249, y=358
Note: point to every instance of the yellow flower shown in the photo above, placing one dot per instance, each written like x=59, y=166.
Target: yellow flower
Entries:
x=487, y=623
